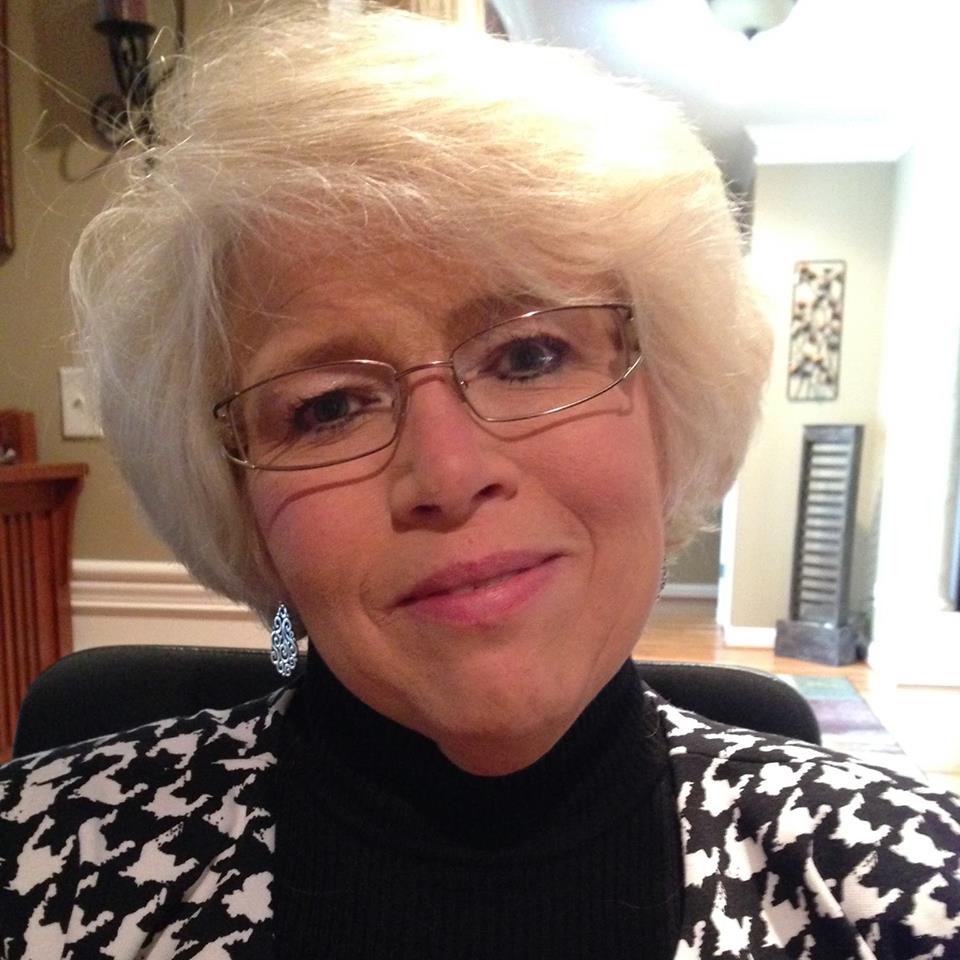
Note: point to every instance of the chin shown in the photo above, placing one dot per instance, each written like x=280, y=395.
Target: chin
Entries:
x=503, y=719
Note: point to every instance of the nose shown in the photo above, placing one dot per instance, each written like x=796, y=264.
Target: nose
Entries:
x=446, y=463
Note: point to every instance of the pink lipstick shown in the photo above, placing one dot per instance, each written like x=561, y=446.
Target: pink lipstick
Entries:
x=483, y=591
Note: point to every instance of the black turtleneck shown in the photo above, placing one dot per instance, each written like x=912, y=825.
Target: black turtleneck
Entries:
x=386, y=849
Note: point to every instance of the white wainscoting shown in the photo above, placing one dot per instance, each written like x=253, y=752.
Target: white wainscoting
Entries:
x=760, y=638
x=125, y=601
x=689, y=591
x=733, y=636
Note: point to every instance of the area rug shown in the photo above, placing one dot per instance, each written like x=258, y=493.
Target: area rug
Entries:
x=849, y=725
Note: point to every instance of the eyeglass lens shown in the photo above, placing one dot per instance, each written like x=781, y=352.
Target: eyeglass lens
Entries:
x=511, y=371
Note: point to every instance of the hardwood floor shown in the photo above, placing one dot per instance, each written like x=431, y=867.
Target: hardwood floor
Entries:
x=924, y=720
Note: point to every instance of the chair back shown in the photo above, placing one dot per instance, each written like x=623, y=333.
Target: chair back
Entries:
x=104, y=690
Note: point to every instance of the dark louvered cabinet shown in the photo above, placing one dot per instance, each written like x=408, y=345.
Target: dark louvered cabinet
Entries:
x=819, y=626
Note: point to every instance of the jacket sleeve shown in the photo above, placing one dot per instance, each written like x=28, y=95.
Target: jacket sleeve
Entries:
x=149, y=839
x=793, y=850
x=887, y=854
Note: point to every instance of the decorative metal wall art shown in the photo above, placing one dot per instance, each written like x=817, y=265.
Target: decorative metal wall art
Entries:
x=816, y=324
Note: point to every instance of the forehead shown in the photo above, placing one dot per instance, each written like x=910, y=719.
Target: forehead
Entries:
x=396, y=306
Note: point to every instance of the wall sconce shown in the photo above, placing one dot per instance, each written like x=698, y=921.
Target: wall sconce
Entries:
x=118, y=118
x=750, y=17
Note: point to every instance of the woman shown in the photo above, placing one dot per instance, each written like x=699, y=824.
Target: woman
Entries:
x=473, y=326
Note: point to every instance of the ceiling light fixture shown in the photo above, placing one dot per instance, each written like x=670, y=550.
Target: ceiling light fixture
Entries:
x=751, y=17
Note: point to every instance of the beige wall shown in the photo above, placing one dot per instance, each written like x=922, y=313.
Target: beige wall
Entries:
x=57, y=185
x=802, y=212
x=841, y=212
x=699, y=561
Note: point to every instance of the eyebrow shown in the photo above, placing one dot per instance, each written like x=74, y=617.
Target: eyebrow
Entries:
x=461, y=322
x=480, y=312
x=334, y=349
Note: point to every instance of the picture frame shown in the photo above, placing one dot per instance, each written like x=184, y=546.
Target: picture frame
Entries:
x=6, y=175
x=816, y=330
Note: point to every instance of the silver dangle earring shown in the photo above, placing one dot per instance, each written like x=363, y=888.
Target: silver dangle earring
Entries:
x=283, y=644
x=663, y=581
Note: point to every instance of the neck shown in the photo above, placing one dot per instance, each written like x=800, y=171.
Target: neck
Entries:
x=486, y=794
x=492, y=757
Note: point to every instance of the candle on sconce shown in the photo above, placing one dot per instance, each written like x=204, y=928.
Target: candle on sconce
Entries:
x=129, y=11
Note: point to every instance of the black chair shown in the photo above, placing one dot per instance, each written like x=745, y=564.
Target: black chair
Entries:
x=107, y=689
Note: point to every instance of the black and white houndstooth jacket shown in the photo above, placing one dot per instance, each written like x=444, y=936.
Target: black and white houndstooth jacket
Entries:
x=157, y=844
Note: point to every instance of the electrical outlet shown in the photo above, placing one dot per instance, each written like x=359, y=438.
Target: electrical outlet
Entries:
x=79, y=418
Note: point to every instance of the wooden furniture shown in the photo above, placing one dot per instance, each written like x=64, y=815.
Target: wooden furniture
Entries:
x=37, y=504
x=18, y=432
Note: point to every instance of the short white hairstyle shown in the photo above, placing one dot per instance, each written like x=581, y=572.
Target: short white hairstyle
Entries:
x=523, y=161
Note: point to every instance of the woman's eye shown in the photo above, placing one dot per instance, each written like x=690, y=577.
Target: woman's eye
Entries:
x=326, y=410
x=529, y=358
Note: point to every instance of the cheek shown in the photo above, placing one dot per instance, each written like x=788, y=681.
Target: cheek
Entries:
x=614, y=478
x=315, y=537
x=625, y=522
x=618, y=496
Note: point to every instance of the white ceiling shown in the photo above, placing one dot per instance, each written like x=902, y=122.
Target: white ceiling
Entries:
x=840, y=80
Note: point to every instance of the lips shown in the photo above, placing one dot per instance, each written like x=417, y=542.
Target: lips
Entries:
x=465, y=577
x=481, y=591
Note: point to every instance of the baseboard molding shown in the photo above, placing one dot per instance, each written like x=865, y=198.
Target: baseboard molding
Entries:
x=761, y=638
x=135, y=601
x=127, y=601
x=689, y=591
x=115, y=586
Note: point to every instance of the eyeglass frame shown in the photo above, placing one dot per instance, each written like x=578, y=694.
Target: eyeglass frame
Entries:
x=221, y=414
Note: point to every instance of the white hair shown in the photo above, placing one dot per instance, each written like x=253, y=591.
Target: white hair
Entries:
x=370, y=130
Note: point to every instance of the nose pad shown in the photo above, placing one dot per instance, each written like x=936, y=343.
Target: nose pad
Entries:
x=447, y=463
